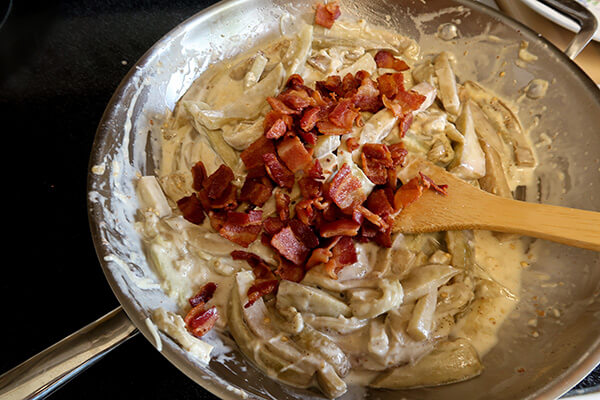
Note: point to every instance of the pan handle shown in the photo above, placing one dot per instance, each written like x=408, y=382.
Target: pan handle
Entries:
x=586, y=20
x=50, y=369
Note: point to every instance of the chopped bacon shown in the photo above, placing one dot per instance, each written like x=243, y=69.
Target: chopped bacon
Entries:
x=277, y=130
x=304, y=233
x=340, y=227
x=217, y=219
x=203, y=296
x=242, y=228
x=192, y=209
x=384, y=238
x=282, y=205
x=379, y=202
x=295, y=81
x=441, y=189
x=308, y=137
x=253, y=155
x=315, y=171
x=289, y=271
x=343, y=114
x=376, y=158
x=326, y=14
x=260, y=268
x=310, y=188
x=305, y=211
x=398, y=153
x=345, y=189
x=332, y=84
x=198, y=175
x=309, y=118
x=329, y=128
x=343, y=254
x=256, y=190
x=366, y=96
x=385, y=59
x=272, y=225
x=260, y=289
x=277, y=171
x=367, y=232
x=217, y=183
x=296, y=100
x=352, y=144
x=409, y=100
x=390, y=84
x=394, y=107
x=199, y=320
x=279, y=106
x=289, y=246
x=322, y=254
x=373, y=218
x=293, y=153
x=405, y=123
x=408, y=193
x=226, y=201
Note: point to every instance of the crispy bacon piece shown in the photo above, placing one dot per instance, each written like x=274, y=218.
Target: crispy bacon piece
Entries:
x=198, y=175
x=385, y=59
x=277, y=130
x=217, y=219
x=204, y=295
x=242, y=228
x=199, y=320
x=380, y=202
x=322, y=254
x=310, y=188
x=279, y=106
x=408, y=193
x=376, y=159
x=309, y=138
x=398, y=153
x=282, y=205
x=331, y=85
x=343, y=254
x=289, y=246
x=253, y=155
x=289, y=271
x=260, y=289
x=305, y=211
x=309, y=118
x=218, y=182
x=256, y=190
x=295, y=81
x=343, y=114
x=367, y=96
x=329, y=128
x=304, y=233
x=373, y=218
x=192, y=209
x=326, y=14
x=315, y=171
x=384, y=237
x=345, y=189
x=293, y=153
x=226, y=201
x=390, y=84
x=340, y=227
x=296, y=99
x=260, y=268
x=428, y=182
x=404, y=124
x=367, y=232
x=277, y=171
x=352, y=144
x=409, y=100
x=272, y=225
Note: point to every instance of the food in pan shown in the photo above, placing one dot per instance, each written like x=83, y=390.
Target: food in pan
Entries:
x=270, y=218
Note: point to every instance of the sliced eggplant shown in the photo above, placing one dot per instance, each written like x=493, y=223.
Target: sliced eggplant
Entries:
x=494, y=181
x=450, y=362
x=391, y=297
x=307, y=299
x=447, y=83
x=423, y=280
x=460, y=246
x=420, y=325
x=317, y=343
x=469, y=160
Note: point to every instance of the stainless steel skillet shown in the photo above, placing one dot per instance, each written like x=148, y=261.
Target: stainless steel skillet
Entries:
x=521, y=366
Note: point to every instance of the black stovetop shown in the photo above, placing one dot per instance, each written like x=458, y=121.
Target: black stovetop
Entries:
x=60, y=62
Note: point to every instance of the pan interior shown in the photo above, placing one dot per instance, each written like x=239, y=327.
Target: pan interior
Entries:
x=542, y=361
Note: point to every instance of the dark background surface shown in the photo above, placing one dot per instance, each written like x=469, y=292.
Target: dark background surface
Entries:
x=60, y=62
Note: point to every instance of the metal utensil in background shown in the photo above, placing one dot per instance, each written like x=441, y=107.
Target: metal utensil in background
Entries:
x=61, y=360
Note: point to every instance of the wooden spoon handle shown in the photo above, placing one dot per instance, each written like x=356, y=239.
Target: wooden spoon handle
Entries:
x=569, y=226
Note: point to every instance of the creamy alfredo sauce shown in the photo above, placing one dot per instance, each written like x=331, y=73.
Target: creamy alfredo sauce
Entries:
x=398, y=316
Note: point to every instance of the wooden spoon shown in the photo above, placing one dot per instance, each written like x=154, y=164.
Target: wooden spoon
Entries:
x=467, y=207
